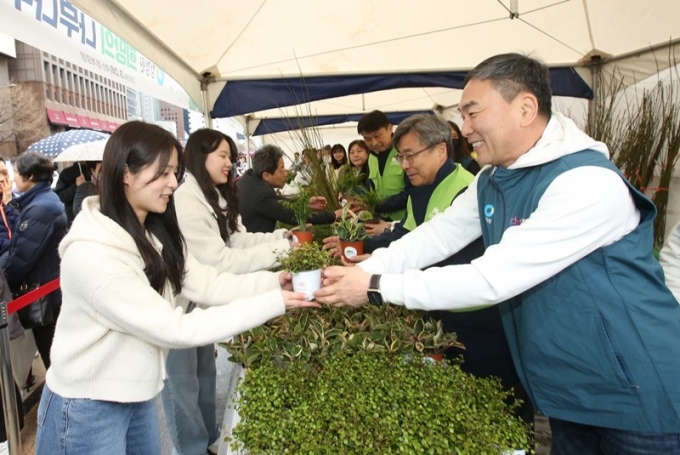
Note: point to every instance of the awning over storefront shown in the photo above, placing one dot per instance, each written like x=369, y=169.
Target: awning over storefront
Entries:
x=84, y=121
x=57, y=117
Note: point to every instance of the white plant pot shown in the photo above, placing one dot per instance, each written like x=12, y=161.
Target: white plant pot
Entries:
x=307, y=282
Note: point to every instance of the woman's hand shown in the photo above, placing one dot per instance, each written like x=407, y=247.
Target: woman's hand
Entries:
x=286, y=281
x=294, y=300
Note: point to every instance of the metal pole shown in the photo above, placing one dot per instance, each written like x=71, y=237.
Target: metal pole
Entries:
x=248, y=157
x=206, y=107
x=7, y=384
x=595, y=76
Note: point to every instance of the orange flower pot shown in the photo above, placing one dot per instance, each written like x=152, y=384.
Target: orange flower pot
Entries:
x=303, y=236
x=351, y=249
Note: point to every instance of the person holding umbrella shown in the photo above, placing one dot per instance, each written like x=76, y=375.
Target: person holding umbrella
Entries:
x=75, y=175
x=67, y=185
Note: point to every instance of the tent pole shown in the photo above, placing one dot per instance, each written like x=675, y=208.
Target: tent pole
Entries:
x=595, y=75
x=248, y=157
x=204, y=95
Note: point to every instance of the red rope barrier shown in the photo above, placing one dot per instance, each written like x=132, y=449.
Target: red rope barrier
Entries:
x=30, y=297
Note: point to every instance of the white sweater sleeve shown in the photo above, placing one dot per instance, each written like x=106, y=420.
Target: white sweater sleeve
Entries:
x=120, y=299
x=670, y=261
x=433, y=241
x=582, y=210
x=203, y=241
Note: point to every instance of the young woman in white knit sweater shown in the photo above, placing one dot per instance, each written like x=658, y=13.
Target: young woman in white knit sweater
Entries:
x=124, y=264
x=207, y=210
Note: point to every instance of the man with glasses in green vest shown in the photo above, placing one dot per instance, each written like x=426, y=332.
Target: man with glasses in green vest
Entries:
x=384, y=171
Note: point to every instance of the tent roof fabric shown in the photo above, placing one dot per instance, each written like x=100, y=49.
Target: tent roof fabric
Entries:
x=262, y=39
x=243, y=97
x=277, y=125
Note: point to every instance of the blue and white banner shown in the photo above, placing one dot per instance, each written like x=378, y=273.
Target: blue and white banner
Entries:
x=61, y=29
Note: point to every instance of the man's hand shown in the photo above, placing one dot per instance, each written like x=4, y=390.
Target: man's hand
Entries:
x=317, y=203
x=344, y=286
x=80, y=180
x=354, y=260
x=332, y=244
x=377, y=228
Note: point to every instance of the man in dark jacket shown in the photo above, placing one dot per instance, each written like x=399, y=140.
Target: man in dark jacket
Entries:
x=69, y=180
x=259, y=204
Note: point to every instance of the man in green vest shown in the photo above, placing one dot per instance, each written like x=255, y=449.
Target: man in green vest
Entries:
x=384, y=171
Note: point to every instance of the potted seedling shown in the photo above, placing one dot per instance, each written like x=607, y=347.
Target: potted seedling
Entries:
x=305, y=263
x=351, y=232
x=370, y=199
x=300, y=207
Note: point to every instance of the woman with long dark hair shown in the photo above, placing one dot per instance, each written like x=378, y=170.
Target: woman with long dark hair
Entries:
x=338, y=157
x=461, y=150
x=124, y=267
x=207, y=210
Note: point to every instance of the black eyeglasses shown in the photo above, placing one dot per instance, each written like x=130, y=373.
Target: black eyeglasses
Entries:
x=409, y=157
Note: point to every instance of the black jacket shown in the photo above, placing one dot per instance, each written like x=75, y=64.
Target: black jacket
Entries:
x=261, y=208
x=66, y=187
x=33, y=257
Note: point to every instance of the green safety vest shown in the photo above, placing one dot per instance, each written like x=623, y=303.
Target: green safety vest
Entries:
x=442, y=196
x=391, y=181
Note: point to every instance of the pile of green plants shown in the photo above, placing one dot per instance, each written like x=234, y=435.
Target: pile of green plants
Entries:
x=373, y=403
x=310, y=336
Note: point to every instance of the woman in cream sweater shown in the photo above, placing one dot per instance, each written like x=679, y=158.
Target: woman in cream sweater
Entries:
x=207, y=210
x=124, y=265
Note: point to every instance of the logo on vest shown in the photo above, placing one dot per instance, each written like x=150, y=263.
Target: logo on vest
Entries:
x=488, y=212
x=514, y=221
x=433, y=213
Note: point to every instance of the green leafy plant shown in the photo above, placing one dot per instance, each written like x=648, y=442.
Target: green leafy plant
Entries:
x=374, y=403
x=309, y=256
x=370, y=199
x=349, y=181
x=312, y=335
x=351, y=226
x=300, y=207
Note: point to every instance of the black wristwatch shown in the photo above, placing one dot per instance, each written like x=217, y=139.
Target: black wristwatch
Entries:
x=374, y=295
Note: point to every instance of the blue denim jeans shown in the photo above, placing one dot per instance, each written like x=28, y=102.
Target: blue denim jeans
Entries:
x=576, y=439
x=79, y=426
x=189, y=399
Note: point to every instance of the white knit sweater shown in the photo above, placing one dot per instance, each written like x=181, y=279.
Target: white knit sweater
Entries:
x=245, y=251
x=114, y=329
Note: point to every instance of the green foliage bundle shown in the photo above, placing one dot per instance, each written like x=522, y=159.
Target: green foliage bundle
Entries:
x=351, y=227
x=312, y=335
x=373, y=403
x=642, y=132
x=300, y=206
x=309, y=256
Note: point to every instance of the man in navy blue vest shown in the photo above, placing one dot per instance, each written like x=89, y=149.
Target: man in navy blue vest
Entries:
x=592, y=327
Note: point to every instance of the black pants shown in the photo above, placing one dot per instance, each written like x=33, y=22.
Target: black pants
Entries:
x=43, y=339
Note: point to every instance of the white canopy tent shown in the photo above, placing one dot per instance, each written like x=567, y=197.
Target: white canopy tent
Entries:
x=203, y=44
